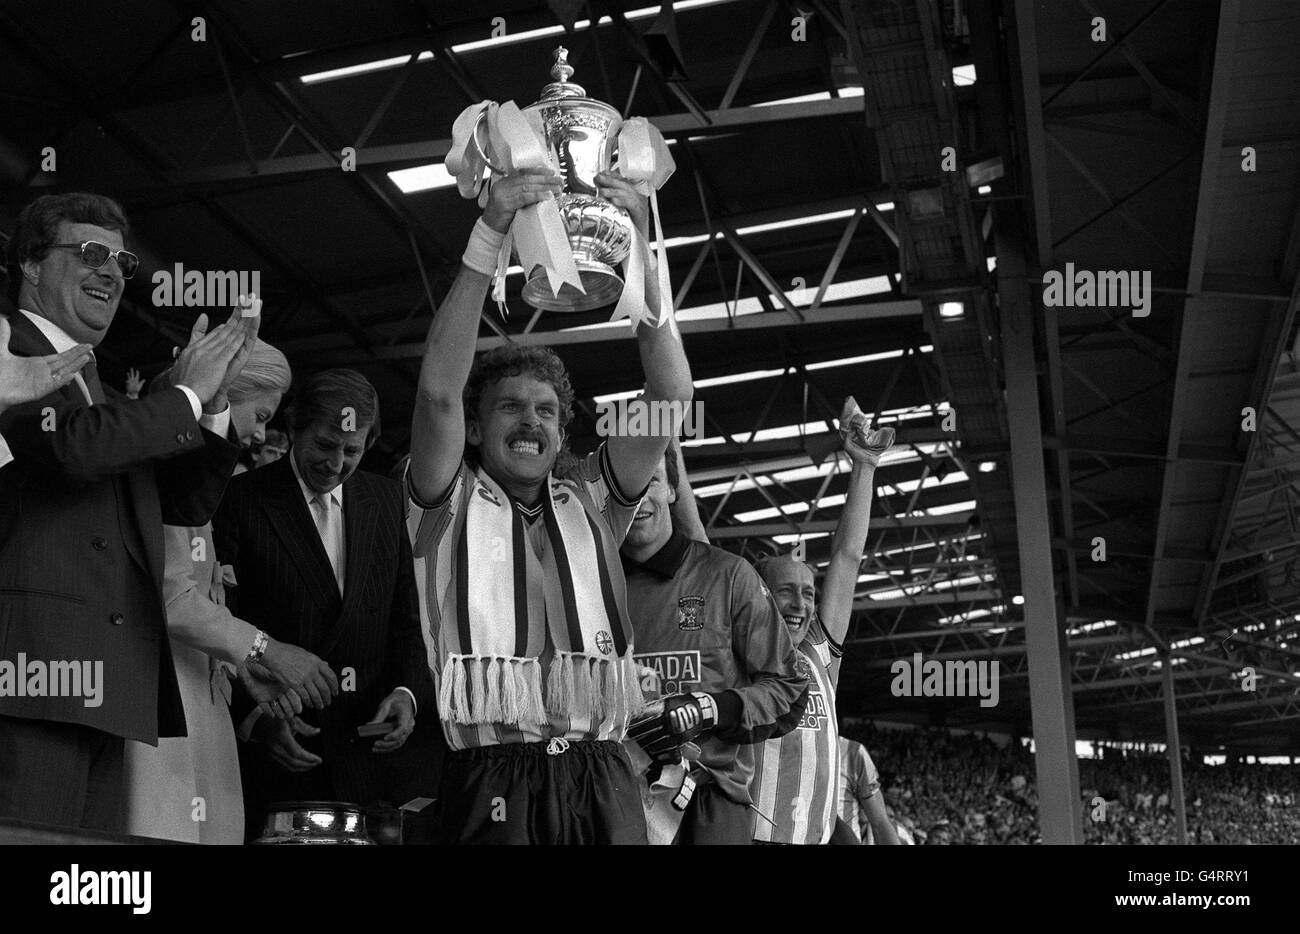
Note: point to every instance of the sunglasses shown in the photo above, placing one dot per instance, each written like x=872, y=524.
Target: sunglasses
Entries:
x=95, y=254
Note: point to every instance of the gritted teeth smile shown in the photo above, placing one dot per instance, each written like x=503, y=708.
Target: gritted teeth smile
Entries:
x=642, y=515
x=93, y=292
x=525, y=447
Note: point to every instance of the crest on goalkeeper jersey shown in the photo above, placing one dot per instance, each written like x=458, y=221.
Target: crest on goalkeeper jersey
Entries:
x=689, y=609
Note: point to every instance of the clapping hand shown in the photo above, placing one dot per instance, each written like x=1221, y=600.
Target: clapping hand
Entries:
x=25, y=379
x=246, y=320
x=211, y=360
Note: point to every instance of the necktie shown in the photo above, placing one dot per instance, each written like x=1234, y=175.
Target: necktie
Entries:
x=90, y=376
x=320, y=507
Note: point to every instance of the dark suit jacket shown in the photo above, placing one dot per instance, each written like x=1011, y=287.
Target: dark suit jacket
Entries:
x=82, y=508
x=285, y=585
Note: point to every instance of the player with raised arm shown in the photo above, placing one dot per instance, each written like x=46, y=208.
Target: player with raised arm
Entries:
x=796, y=777
x=522, y=593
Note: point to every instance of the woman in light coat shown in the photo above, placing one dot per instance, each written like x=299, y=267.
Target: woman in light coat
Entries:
x=188, y=788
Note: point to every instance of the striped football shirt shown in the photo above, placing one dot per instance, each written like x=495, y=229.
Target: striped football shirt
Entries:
x=434, y=530
x=796, y=777
x=859, y=781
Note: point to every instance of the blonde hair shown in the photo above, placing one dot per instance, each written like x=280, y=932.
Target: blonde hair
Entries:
x=266, y=370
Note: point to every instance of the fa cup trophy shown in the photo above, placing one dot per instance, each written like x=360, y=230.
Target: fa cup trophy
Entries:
x=579, y=137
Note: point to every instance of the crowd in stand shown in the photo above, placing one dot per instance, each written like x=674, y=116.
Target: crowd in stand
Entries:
x=942, y=787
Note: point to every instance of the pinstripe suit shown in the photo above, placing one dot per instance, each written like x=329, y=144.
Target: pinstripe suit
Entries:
x=286, y=586
x=81, y=569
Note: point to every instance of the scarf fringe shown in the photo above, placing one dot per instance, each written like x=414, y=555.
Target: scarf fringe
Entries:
x=583, y=701
x=445, y=704
x=536, y=708
x=511, y=697
x=500, y=689
x=491, y=689
x=492, y=711
x=477, y=690
x=631, y=684
x=610, y=690
x=452, y=698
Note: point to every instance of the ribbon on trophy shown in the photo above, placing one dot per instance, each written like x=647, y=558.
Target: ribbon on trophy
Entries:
x=516, y=143
x=643, y=158
x=466, y=160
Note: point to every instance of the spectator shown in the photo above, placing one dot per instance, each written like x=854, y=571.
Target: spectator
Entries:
x=133, y=383
x=81, y=513
x=967, y=789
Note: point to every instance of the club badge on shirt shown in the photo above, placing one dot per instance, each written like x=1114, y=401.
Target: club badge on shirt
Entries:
x=689, y=612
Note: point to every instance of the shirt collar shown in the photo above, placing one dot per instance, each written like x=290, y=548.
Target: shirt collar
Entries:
x=57, y=337
x=666, y=561
x=335, y=495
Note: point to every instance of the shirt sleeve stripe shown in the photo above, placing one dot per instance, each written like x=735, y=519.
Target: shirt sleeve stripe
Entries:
x=611, y=481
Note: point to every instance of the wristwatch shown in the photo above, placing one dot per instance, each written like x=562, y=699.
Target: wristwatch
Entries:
x=260, y=642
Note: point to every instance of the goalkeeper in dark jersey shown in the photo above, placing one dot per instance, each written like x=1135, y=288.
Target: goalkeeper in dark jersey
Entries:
x=708, y=628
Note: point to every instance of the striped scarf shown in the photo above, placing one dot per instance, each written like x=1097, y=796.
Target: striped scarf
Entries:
x=508, y=600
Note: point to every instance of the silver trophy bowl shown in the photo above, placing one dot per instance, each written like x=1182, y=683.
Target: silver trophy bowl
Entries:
x=314, y=822
x=582, y=136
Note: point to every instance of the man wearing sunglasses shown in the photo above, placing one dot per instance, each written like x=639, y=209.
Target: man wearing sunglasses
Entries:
x=93, y=479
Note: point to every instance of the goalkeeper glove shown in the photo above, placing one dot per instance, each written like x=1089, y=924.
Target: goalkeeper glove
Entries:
x=684, y=718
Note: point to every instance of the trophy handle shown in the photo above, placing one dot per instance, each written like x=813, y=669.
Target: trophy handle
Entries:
x=479, y=148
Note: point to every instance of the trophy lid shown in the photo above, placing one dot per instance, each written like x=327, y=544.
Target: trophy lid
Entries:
x=562, y=71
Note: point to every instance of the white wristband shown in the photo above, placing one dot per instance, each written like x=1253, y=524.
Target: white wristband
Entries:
x=481, y=251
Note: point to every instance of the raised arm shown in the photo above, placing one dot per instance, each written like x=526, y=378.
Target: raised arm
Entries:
x=438, y=425
x=865, y=448
x=663, y=361
x=685, y=512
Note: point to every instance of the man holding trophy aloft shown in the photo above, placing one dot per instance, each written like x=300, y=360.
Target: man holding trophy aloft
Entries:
x=522, y=591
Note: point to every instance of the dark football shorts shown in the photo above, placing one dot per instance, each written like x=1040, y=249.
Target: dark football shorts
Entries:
x=713, y=819
x=518, y=793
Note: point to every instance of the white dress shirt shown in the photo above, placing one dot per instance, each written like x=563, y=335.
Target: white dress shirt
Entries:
x=218, y=424
x=329, y=523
